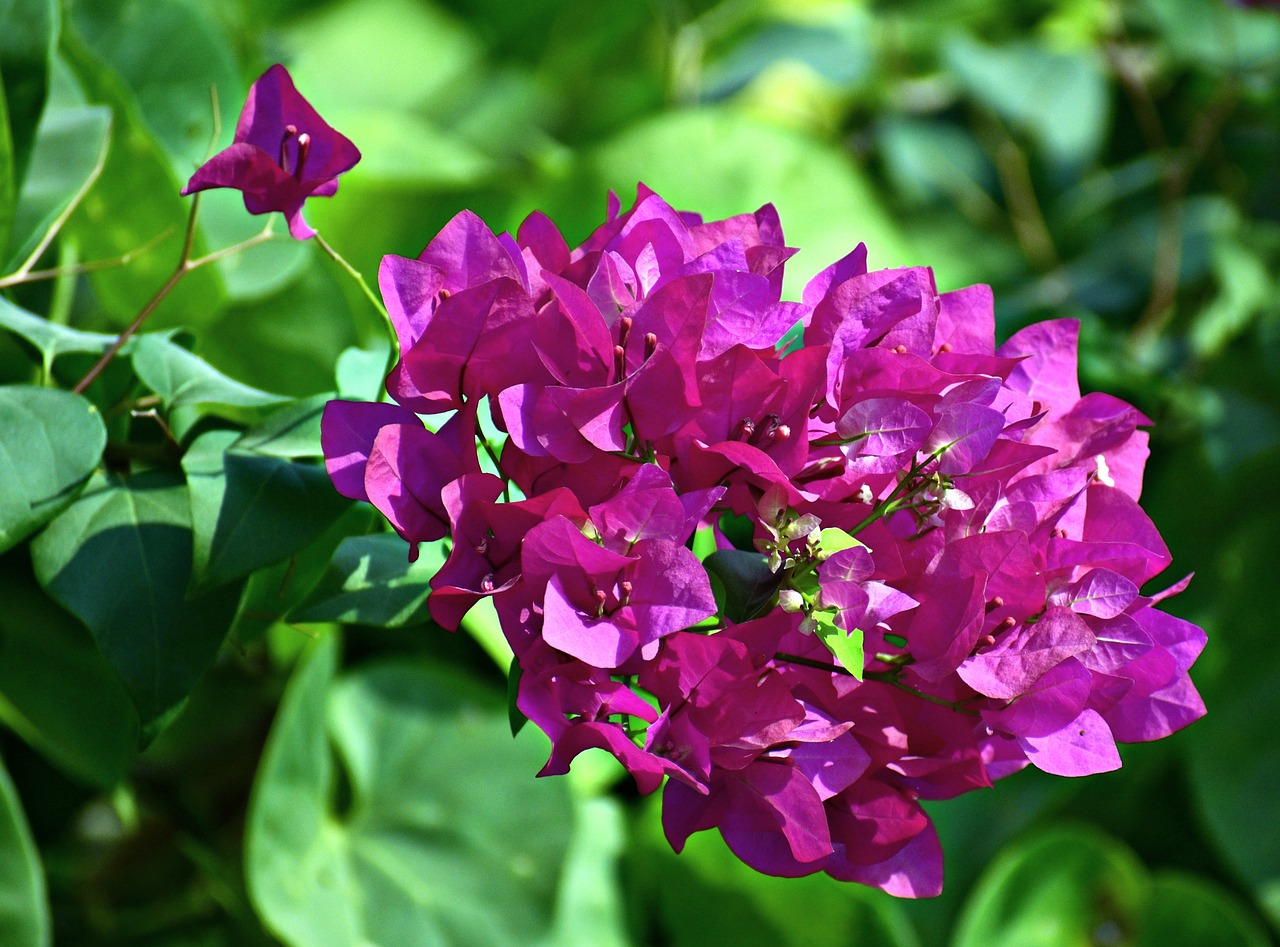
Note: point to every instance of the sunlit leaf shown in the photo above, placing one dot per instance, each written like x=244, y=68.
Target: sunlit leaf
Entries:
x=372, y=582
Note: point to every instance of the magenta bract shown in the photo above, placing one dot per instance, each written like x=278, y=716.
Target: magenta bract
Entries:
x=940, y=560
x=283, y=152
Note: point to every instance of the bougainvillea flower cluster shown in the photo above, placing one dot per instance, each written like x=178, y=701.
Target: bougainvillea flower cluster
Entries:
x=808, y=562
x=283, y=152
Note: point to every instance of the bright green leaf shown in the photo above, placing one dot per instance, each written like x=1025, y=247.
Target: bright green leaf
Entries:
x=1058, y=888
x=833, y=540
x=119, y=558
x=846, y=646
x=50, y=442
x=372, y=582
x=24, y=912
x=423, y=846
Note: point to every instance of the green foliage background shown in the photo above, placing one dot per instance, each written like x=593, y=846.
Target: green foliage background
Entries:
x=226, y=717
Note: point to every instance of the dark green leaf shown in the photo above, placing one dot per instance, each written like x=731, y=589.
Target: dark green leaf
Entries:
x=56, y=688
x=119, y=558
x=24, y=913
x=26, y=47
x=8, y=187
x=251, y=510
x=515, y=717
x=50, y=442
x=748, y=583
x=1234, y=768
x=1059, y=887
x=431, y=836
x=371, y=582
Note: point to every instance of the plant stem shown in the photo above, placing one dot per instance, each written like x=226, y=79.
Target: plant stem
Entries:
x=185, y=266
x=356, y=275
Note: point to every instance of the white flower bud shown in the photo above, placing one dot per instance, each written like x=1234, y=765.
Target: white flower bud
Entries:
x=789, y=600
x=808, y=626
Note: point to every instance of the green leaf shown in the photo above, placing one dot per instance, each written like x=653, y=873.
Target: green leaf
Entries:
x=833, y=540
x=135, y=204
x=24, y=912
x=706, y=895
x=70, y=145
x=169, y=53
x=721, y=162
x=422, y=844
x=589, y=911
x=251, y=510
x=50, y=442
x=56, y=689
x=272, y=593
x=293, y=431
x=119, y=558
x=1032, y=86
x=372, y=582
x=1230, y=795
x=182, y=379
x=846, y=646
x=748, y=583
x=26, y=46
x=1058, y=888
x=1187, y=911
x=8, y=187
x=49, y=338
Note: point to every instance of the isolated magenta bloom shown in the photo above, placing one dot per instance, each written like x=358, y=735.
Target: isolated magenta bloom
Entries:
x=283, y=153
x=940, y=552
